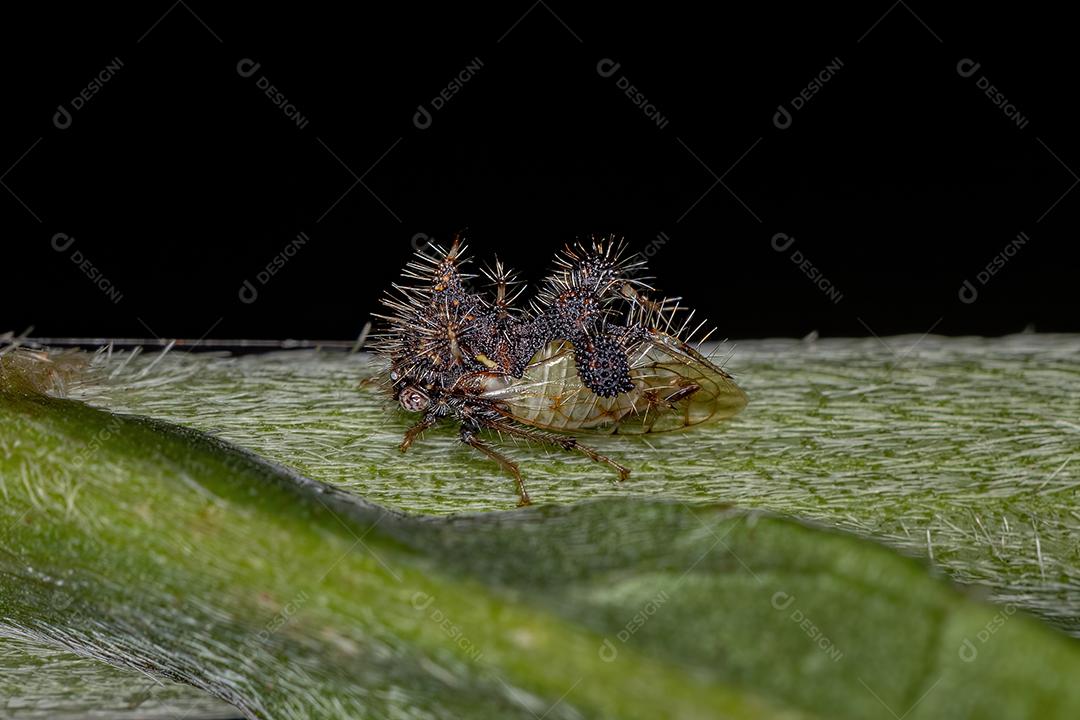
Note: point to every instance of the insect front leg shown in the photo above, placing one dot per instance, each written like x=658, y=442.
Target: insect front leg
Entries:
x=415, y=431
x=468, y=436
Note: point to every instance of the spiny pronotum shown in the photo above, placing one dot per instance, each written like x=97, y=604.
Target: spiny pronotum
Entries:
x=590, y=353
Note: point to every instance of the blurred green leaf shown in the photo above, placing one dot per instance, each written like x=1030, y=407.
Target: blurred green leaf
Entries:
x=159, y=548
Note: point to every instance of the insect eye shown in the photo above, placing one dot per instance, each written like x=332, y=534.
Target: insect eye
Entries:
x=413, y=400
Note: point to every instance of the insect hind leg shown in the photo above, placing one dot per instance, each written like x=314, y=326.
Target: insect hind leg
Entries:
x=566, y=442
x=681, y=394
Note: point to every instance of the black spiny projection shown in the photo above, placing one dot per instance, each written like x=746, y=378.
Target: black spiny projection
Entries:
x=592, y=353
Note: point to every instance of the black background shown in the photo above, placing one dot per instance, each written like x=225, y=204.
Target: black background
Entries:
x=180, y=179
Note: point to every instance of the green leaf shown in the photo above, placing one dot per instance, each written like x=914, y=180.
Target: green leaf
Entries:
x=157, y=547
x=963, y=451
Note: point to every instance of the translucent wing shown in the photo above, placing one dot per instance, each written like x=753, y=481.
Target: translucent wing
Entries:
x=674, y=387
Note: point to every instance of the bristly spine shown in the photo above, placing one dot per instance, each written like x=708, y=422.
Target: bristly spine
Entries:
x=438, y=330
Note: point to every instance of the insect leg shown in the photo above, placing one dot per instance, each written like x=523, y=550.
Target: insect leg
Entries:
x=415, y=431
x=681, y=394
x=469, y=438
x=566, y=442
x=624, y=472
